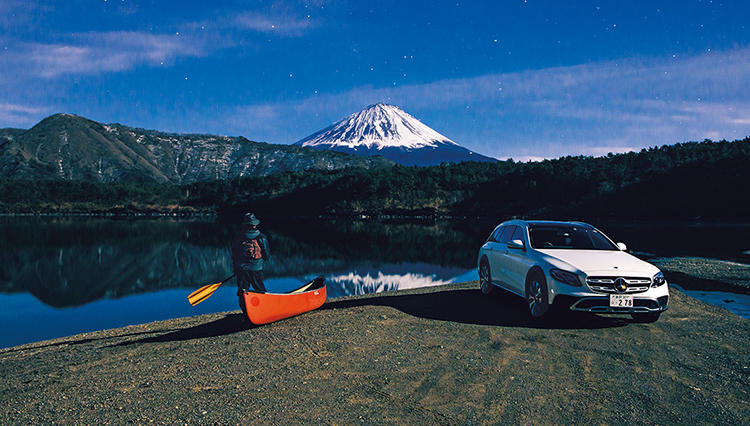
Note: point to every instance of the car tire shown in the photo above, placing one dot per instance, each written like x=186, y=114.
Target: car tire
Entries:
x=648, y=318
x=537, y=298
x=485, y=277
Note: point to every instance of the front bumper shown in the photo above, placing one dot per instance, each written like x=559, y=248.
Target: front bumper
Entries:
x=584, y=299
x=600, y=304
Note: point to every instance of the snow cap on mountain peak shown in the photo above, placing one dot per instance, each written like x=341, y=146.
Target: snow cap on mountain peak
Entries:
x=376, y=127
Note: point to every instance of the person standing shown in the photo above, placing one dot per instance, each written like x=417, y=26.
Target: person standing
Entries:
x=249, y=252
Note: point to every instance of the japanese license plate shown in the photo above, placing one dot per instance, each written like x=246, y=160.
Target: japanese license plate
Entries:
x=620, y=300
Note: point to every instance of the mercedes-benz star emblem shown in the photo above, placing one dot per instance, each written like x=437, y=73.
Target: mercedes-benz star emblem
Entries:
x=621, y=285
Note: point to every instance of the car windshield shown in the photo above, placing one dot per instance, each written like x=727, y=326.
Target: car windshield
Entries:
x=571, y=237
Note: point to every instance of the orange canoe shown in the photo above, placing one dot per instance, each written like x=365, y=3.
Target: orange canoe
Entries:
x=263, y=308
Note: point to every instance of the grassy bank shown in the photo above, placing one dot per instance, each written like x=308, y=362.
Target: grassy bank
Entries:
x=436, y=355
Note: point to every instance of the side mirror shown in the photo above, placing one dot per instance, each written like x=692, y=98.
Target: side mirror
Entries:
x=516, y=244
x=622, y=246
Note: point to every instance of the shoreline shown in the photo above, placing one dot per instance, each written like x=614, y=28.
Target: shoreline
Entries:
x=443, y=354
x=701, y=273
x=689, y=273
x=212, y=212
x=698, y=276
x=93, y=334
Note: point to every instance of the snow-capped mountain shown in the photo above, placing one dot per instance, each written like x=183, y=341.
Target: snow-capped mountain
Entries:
x=389, y=131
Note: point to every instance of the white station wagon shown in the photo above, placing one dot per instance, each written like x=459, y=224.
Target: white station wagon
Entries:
x=571, y=264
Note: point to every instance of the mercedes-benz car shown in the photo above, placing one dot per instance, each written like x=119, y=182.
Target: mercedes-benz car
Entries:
x=572, y=265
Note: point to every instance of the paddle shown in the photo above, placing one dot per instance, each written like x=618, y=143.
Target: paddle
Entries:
x=303, y=288
x=316, y=281
x=202, y=293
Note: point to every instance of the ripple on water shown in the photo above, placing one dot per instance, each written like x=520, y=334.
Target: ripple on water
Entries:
x=738, y=304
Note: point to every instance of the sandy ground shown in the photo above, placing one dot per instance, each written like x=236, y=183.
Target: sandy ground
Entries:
x=444, y=355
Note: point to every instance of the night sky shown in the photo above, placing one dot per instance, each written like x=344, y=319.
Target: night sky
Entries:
x=527, y=80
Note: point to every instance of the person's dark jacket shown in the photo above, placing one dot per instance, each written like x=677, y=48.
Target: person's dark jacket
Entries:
x=241, y=258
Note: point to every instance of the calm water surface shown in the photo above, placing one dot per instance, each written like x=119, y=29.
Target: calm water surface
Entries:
x=62, y=276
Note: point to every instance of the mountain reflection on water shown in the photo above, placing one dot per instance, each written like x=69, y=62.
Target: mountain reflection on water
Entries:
x=394, y=277
x=72, y=261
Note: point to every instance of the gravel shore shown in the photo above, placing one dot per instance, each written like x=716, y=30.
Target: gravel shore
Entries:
x=446, y=355
x=700, y=273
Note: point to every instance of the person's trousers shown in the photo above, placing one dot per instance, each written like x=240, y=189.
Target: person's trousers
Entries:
x=247, y=280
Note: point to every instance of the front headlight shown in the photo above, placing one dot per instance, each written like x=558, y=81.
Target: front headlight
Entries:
x=658, y=280
x=565, y=277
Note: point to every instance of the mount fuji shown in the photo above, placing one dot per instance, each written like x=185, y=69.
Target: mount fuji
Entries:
x=388, y=131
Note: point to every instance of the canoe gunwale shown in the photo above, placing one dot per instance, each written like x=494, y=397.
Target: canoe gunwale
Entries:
x=264, y=308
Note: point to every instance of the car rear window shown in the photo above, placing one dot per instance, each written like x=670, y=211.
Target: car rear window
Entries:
x=572, y=237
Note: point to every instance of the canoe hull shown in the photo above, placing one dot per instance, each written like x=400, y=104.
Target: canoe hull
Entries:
x=264, y=308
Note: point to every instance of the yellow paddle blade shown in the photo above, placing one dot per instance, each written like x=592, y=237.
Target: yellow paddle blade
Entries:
x=303, y=288
x=202, y=293
x=307, y=286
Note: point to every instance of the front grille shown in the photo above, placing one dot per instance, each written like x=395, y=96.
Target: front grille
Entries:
x=590, y=303
x=607, y=284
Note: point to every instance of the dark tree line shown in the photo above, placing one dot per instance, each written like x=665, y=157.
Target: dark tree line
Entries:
x=689, y=180
x=684, y=181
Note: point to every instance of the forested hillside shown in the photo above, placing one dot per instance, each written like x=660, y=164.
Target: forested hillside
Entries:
x=688, y=181
x=73, y=148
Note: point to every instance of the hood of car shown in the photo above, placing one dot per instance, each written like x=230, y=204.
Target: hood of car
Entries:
x=602, y=262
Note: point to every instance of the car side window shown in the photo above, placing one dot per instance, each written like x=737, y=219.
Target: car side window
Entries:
x=496, y=235
x=518, y=234
x=507, y=234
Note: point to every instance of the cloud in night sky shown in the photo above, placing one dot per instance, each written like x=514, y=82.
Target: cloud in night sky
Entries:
x=96, y=52
x=283, y=25
x=10, y=113
x=596, y=108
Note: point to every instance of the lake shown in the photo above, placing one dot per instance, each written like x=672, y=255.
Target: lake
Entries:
x=68, y=275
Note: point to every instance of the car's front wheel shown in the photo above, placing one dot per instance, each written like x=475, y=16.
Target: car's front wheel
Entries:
x=536, y=294
x=646, y=318
x=485, y=277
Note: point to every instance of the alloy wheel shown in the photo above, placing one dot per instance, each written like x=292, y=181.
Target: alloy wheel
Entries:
x=536, y=298
x=485, y=278
x=534, y=292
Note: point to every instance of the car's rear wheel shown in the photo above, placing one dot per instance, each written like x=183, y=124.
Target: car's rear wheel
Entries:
x=536, y=294
x=646, y=318
x=485, y=277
